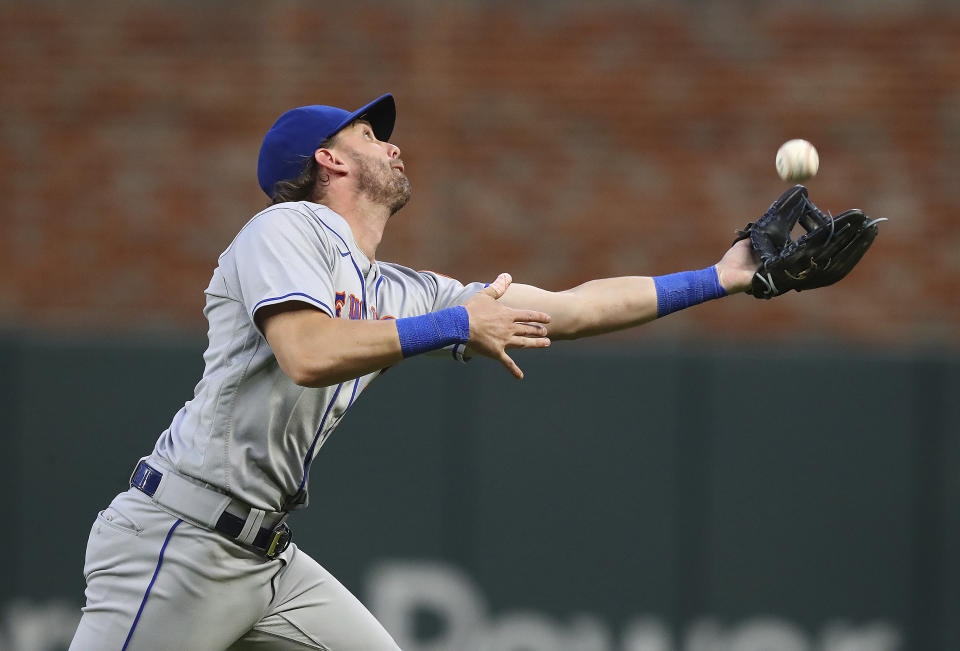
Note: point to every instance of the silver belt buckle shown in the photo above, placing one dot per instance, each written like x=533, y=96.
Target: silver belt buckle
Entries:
x=280, y=540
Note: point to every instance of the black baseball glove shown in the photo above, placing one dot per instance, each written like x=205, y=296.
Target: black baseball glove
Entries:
x=827, y=252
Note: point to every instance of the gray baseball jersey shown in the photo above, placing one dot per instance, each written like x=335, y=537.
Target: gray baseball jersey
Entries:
x=249, y=430
x=159, y=579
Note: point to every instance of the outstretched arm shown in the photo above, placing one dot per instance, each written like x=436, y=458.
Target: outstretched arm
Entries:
x=610, y=304
x=315, y=350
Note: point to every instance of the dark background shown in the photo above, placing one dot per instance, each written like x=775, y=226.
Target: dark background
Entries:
x=743, y=476
x=678, y=482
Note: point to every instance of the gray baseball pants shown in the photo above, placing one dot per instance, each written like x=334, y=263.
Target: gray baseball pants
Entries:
x=156, y=582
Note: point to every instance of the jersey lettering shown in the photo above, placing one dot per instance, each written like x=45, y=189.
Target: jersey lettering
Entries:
x=354, y=307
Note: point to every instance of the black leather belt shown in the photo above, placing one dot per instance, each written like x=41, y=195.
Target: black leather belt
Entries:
x=269, y=541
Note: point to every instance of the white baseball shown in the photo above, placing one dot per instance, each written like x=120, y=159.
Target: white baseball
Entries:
x=797, y=160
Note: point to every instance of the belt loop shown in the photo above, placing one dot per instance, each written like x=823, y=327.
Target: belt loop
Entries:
x=251, y=527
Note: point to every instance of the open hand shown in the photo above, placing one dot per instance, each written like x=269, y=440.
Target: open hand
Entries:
x=495, y=327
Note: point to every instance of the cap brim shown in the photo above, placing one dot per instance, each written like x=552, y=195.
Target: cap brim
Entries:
x=381, y=113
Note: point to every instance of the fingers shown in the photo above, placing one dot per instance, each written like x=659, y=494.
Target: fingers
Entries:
x=495, y=328
x=498, y=287
x=521, y=342
x=529, y=330
x=511, y=366
x=530, y=316
x=528, y=335
x=529, y=342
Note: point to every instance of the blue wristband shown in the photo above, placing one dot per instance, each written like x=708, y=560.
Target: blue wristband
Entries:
x=680, y=290
x=434, y=330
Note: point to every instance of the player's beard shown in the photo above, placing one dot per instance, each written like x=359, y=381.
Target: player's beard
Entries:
x=381, y=183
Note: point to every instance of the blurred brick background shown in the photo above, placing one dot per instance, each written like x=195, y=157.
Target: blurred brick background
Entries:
x=552, y=140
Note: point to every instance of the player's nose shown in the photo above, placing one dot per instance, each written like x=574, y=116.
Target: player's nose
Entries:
x=392, y=150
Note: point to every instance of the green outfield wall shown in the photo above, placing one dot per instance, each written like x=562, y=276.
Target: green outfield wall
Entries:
x=670, y=499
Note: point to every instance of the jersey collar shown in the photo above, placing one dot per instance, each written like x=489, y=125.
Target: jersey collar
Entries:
x=339, y=225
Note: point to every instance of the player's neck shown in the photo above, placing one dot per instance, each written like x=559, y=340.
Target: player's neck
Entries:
x=367, y=233
x=367, y=221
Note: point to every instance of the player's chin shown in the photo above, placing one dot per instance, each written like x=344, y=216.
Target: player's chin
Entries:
x=401, y=197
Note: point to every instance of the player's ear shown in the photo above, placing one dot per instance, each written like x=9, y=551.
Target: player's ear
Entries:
x=328, y=159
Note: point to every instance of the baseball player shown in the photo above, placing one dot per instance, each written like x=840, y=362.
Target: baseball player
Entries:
x=197, y=554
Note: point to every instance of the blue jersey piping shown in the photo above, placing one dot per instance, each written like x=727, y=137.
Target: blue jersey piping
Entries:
x=150, y=587
x=306, y=460
x=356, y=383
x=278, y=298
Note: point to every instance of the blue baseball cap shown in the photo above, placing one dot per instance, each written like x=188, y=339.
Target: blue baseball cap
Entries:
x=297, y=133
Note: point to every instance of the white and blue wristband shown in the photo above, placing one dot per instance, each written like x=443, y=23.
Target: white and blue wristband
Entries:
x=687, y=288
x=434, y=330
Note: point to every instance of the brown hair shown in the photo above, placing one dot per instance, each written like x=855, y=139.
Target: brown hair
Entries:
x=310, y=185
